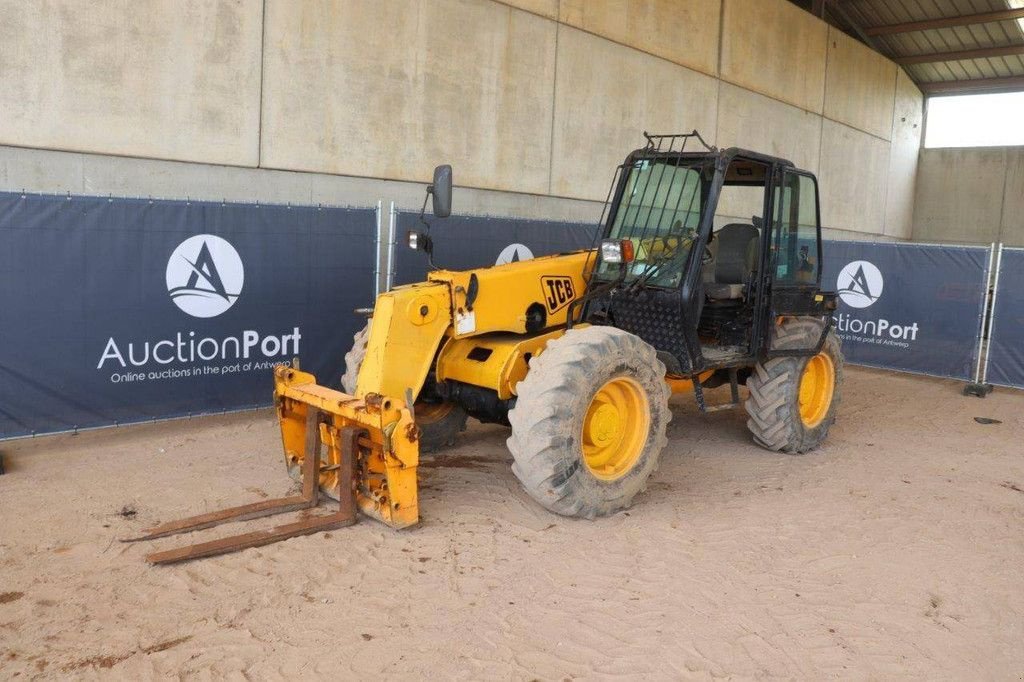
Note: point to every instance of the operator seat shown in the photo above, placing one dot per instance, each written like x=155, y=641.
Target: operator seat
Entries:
x=735, y=261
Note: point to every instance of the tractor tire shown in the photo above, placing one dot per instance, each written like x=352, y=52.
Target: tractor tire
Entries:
x=354, y=358
x=793, y=400
x=440, y=423
x=588, y=426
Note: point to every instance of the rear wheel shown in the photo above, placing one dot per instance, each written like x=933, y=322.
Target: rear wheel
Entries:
x=440, y=422
x=589, y=422
x=793, y=400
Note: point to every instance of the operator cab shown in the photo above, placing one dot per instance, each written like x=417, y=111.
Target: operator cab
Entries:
x=703, y=251
x=732, y=262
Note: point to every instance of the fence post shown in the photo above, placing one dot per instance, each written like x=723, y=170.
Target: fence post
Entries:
x=392, y=237
x=992, y=315
x=377, y=259
x=984, y=315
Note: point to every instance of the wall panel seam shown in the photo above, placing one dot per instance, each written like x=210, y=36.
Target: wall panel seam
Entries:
x=263, y=59
x=1002, y=198
x=804, y=109
x=821, y=128
x=721, y=39
x=554, y=105
x=612, y=40
x=859, y=130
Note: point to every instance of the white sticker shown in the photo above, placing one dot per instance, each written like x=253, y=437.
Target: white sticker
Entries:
x=465, y=323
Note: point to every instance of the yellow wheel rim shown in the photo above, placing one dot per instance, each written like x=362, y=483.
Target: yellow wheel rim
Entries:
x=615, y=428
x=817, y=386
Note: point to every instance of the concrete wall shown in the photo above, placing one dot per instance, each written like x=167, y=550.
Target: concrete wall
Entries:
x=171, y=80
x=600, y=113
x=532, y=101
x=776, y=49
x=654, y=27
x=481, y=96
x=904, y=146
x=973, y=195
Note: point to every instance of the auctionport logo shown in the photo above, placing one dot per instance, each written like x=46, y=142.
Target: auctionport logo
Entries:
x=204, y=278
x=205, y=275
x=513, y=253
x=859, y=284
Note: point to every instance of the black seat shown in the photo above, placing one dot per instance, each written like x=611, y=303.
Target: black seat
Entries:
x=734, y=263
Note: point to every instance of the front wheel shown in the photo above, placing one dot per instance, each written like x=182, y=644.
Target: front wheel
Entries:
x=589, y=422
x=793, y=400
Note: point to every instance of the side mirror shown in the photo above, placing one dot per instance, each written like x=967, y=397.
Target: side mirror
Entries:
x=441, y=191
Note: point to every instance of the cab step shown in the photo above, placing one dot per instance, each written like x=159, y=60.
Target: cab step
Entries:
x=734, y=388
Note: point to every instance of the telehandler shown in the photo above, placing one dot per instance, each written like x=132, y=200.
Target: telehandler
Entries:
x=577, y=352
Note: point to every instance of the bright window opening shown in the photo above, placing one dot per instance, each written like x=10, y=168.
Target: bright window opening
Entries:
x=976, y=121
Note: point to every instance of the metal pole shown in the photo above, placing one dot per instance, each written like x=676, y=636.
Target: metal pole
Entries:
x=392, y=237
x=983, y=315
x=376, y=267
x=991, y=317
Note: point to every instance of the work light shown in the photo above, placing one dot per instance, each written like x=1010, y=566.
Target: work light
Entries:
x=617, y=251
x=418, y=241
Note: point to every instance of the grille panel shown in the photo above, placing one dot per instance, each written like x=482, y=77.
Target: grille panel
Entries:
x=656, y=319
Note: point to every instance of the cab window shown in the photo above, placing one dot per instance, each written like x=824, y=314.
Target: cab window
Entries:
x=796, y=231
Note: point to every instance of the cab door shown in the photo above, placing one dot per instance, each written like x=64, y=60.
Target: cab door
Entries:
x=796, y=244
x=795, y=252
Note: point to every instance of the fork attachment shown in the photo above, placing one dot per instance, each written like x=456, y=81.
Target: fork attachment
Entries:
x=348, y=438
x=363, y=452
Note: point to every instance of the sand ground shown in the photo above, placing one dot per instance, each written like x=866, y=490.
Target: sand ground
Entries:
x=893, y=552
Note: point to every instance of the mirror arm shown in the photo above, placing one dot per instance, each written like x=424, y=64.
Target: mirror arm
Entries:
x=442, y=175
x=426, y=228
x=423, y=209
x=430, y=258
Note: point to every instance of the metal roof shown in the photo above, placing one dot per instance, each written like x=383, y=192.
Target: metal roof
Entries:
x=945, y=46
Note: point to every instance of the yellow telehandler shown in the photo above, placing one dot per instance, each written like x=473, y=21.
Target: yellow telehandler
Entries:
x=578, y=352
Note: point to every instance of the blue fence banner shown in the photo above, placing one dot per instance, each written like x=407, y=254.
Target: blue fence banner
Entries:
x=123, y=310
x=464, y=242
x=1005, y=360
x=910, y=307
x=119, y=310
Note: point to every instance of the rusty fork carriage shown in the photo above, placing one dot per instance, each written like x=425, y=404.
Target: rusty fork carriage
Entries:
x=349, y=442
x=362, y=451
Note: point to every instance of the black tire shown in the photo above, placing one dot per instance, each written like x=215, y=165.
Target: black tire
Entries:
x=774, y=401
x=548, y=420
x=354, y=358
x=440, y=423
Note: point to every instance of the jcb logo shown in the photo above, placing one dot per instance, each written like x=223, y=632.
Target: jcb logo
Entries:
x=558, y=292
